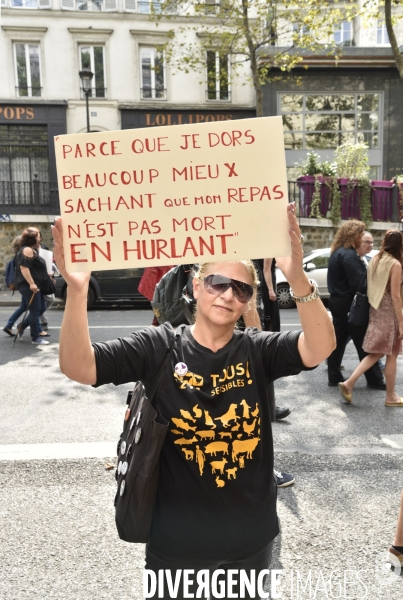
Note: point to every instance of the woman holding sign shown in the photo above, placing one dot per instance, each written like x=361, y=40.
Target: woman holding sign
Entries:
x=216, y=503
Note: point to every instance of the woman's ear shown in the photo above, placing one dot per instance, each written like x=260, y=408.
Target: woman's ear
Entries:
x=196, y=287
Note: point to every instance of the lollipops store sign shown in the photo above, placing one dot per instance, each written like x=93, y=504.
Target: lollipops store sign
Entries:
x=179, y=194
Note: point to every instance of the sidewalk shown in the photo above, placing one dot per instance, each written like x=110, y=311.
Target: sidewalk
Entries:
x=8, y=298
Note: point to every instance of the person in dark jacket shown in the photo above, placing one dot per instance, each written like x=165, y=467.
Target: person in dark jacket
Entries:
x=345, y=273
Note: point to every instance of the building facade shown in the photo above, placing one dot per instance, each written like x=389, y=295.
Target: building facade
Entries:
x=44, y=44
x=357, y=97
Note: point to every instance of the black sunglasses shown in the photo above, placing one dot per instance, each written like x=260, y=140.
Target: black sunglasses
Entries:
x=218, y=284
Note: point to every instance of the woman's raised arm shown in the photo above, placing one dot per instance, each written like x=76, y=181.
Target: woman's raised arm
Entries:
x=76, y=354
x=318, y=340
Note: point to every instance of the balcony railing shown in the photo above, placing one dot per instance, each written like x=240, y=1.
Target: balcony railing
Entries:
x=153, y=93
x=29, y=197
x=94, y=93
x=35, y=197
x=218, y=96
x=28, y=92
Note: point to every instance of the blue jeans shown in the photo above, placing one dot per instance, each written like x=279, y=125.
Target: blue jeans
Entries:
x=36, y=309
x=17, y=313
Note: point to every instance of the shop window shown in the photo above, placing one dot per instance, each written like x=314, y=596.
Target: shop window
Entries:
x=343, y=35
x=382, y=38
x=152, y=73
x=218, y=72
x=323, y=122
x=27, y=70
x=24, y=153
x=92, y=57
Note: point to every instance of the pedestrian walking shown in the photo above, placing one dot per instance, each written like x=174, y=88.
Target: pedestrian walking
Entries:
x=8, y=329
x=49, y=299
x=216, y=516
x=385, y=329
x=345, y=273
x=30, y=271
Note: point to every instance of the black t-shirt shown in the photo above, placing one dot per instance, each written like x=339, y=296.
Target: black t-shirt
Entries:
x=216, y=495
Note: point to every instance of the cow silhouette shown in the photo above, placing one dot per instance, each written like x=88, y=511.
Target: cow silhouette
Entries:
x=230, y=415
x=249, y=428
x=188, y=453
x=215, y=447
x=209, y=420
x=232, y=472
x=186, y=415
x=246, y=408
x=182, y=424
x=197, y=411
x=247, y=446
x=219, y=482
x=218, y=465
x=182, y=441
x=208, y=434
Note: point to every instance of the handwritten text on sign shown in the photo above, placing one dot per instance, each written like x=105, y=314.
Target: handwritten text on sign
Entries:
x=179, y=194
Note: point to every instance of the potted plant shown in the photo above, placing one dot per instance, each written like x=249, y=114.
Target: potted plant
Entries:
x=352, y=170
x=314, y=195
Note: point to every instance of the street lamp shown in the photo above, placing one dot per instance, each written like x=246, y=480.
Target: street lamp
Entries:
x=86, y=76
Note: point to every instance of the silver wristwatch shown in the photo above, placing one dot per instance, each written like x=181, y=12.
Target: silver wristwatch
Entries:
x=312, y=296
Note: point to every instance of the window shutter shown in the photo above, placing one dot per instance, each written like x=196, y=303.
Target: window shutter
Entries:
x=130, y=5
x=111, y=5
x=44, y=3
x=68, y=4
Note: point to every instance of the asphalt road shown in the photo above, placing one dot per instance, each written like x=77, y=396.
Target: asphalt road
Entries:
x=57, y=534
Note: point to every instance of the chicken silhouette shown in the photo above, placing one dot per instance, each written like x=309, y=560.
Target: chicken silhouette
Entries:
x=249, y=428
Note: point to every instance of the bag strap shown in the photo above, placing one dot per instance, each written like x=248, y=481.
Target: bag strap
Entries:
x=160, y=372
x=362, y=288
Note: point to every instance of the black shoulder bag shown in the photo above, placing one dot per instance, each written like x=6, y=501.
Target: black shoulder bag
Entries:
x=359, y=310
x=137, y=474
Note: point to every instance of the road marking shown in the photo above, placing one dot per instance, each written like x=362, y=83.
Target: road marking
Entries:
x=340, y=450
x=57, y=451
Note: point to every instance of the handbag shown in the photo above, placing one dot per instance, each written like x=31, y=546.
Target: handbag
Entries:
x=359, y=310
x=137, y=473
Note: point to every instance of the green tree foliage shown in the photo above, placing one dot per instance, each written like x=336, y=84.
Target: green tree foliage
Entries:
x=268, y=35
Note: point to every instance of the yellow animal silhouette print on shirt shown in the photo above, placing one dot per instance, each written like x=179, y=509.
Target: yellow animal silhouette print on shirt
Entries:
x=198, y=436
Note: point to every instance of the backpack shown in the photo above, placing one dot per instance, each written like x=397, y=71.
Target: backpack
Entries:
x=10, y=274
x=166, y=302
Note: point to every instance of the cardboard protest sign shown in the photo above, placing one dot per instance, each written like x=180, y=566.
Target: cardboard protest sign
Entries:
x=173, y=195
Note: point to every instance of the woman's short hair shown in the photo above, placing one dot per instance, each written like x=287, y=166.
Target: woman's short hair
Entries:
x=349, y=234
x=29, y=237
